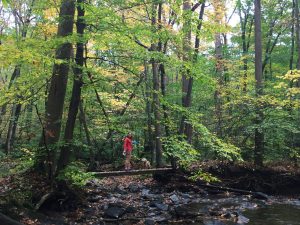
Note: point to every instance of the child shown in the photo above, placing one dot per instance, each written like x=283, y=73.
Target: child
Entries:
x=127, y=146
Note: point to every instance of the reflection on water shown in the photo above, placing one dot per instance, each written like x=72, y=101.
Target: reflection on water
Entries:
x=273, y=212
x=277, y=214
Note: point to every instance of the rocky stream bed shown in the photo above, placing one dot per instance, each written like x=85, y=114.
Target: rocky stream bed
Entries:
x=140, y=199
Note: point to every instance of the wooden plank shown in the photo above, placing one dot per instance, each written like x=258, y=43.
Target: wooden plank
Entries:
x=132, y=172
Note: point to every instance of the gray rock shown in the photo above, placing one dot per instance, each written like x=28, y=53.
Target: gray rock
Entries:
x=162, y=206
x=94, y=198
x=145, y=192
x=146, y=195
x=242, y=219
x=260, y=195
x=213, y=222
x=189, y=210
x=133, y=188
x=149, y=222
x=130, y=209
x=184, y=195
x=114, y=212
x=174, y=198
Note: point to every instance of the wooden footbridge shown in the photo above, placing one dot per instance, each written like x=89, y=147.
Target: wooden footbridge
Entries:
x=133, y=172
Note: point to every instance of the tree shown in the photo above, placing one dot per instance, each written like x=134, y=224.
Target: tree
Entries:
x=57, y=89
x=259, y=135
x=156, y=91
x=297, y=26
x=76, y=90
x=187, y=79
x=246, y=30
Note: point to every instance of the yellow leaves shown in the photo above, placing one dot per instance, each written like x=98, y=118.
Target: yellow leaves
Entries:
x=47, y=30
x=292, y=75
x=281, y=85
x=50, y=13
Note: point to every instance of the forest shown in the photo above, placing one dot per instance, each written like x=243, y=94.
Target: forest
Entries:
x=206, y=90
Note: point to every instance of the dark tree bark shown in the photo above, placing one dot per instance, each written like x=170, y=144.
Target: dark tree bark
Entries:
x=12, y=127
x=292, y=37
x=156, y=100
x=58, y=84
x=219, y=69
x=297, y=28
x=149, y=137
x=246, y=30
x=82, y=119
x=76, y=90
x=14, y=76
x=259, y=135
x=163, y=48
x=187, y=80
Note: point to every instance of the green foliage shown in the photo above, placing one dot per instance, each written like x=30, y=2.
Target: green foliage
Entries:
x=204, y=176
x=118, y=39
x=75, y=174
x=179, y=149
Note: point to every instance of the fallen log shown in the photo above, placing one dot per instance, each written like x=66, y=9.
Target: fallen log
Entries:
x=258, y=195
x=5, y=220
x=132, y=172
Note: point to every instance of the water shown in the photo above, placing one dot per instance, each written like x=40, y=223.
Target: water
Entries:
x=275, y=214
x=254, y=212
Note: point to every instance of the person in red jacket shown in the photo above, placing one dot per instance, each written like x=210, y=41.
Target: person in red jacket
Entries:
x=127, y=146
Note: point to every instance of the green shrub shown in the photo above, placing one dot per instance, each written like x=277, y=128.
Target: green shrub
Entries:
x=75, y=174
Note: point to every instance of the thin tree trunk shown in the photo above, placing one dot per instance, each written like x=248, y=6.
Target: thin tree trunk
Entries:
x=149, y=139
x=82, y=118
x=219, y=68
x=12, y=127
x=76, y=90
x=14, y=76
x=163, y=48
x=187, y=80
x=58, y=84
x=259, y=135
x=156, y=101
x=246, y=34
x=292, y=38
x=297, y=28
x=16, y=109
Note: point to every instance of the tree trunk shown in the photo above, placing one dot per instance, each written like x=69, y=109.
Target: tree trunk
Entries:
x=292, y=38
x=218, y=8
x=76, y=90
x=245, y=40
x=149, y=137
x=259, y=135
x=297, y=26
x=156, y=100
x=82, y=119
x=14, y=76
x=58, y=84
x=12, y=127
x=16, y=109
x=187, y=79
x=163, y=48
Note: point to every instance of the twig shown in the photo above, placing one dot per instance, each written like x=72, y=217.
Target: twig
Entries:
x=45, y=142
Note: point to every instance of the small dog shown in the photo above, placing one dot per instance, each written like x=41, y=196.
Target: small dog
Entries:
x=145, y=163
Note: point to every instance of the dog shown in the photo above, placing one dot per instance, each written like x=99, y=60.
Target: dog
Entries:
x=145, y=163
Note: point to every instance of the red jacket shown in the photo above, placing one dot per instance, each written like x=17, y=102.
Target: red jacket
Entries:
x=127, y=144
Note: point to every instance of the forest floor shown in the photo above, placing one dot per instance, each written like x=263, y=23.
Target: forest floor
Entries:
x=142, y=200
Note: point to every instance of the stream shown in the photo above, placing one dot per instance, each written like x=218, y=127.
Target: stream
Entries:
x=132, y=200
x=253, y=212
x=124, y=201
